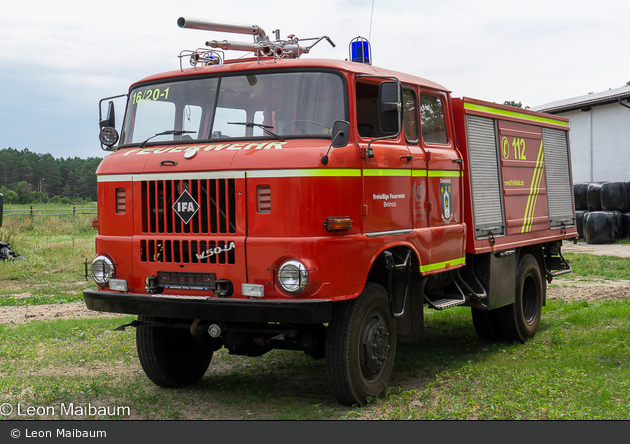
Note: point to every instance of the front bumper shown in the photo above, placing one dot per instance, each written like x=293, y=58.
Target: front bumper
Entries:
x=212, y=309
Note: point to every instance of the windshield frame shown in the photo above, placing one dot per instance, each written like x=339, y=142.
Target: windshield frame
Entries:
x=220, y=76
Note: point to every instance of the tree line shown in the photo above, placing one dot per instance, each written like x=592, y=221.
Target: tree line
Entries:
x=27, y=177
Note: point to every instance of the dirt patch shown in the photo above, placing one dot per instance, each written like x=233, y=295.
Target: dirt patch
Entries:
x=598, y=249
x=48, y=312
x=590, y=291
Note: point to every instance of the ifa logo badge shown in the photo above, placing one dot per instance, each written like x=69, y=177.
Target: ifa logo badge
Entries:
x=185, y=206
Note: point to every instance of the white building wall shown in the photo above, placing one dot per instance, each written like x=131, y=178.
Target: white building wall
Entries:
x=580, y=138
x=611, y=143
x=600, y=143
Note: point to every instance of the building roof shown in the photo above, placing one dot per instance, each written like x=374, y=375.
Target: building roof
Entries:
x=585, y=102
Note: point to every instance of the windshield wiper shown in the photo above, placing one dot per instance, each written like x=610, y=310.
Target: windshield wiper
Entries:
x=264, y=127
x=165, y=133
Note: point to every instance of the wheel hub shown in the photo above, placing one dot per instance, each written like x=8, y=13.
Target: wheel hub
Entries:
x=374, y=347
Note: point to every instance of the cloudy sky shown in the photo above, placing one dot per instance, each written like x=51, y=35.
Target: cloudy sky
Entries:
x=59, y=58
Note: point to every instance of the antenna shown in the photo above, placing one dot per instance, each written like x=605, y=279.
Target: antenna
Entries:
x=371, y=17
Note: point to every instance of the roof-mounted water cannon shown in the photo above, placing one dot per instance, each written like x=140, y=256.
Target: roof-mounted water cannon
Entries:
x=262, y=46
x=207, y=25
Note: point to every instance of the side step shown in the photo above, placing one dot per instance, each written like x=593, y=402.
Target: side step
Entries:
x=443, y=304
x=449, y=302
x=557, y=263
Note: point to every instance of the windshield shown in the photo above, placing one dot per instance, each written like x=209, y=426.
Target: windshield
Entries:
x=257, y=105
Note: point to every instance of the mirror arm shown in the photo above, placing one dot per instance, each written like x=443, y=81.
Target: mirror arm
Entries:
x=343, y=131
x=324, y=159
x=102, y=122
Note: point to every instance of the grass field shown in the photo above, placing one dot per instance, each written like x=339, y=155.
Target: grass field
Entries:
x=55, y=249
x=577, y=366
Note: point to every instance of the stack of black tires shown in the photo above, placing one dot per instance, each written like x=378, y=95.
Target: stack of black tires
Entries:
x=602, y=211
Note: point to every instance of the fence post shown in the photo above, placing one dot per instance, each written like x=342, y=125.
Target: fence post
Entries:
x=74, y=211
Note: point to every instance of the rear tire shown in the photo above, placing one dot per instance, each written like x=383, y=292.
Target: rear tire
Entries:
x=520, y=320
x=360, y=346
x=172, y=357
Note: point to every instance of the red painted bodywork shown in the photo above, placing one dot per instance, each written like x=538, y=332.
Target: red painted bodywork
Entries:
x=339, y=262
x=517, y=178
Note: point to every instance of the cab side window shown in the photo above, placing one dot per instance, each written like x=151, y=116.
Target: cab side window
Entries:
x=367, y=110
x=432, y=119
x=410, y=115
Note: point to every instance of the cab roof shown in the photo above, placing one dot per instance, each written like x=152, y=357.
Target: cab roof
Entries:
x=248, y=65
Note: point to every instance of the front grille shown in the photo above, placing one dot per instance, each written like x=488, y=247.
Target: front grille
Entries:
x=216, y=199
x=188, y=252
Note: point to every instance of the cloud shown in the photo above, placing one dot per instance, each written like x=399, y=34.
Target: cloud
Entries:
x=58, y=59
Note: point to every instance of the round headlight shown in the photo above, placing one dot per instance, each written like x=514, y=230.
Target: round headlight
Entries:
x=293, y=277
x=102, y=270
x=108, y=136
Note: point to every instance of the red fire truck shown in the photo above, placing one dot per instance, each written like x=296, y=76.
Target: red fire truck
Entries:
x=278, y=202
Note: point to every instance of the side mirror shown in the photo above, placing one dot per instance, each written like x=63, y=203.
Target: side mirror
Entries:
x=389, y=107
x=110, y=121
x=109, y=134
x=340, y=134
x=340, y=137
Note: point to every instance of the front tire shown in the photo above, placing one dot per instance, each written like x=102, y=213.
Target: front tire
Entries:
x=172, y=357
x=520, y=320
x=360, y=346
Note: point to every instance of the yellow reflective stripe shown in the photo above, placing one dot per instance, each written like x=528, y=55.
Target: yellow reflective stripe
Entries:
x=505, y=113
x=413, y=173
x=534, y=190
x=444, y=173
x=315, y=172
x=307, y=172
x=386, y=173
x=442, y=265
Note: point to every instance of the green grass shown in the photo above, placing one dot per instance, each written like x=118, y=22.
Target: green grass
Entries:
x=54, y=250
x=577, y=366
x=600, y=267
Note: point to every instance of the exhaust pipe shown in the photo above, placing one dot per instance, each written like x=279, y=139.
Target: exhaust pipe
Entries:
x=207, y=25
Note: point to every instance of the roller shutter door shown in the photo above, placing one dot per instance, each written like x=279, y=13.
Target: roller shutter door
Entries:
x=485, y=177
x=558, y=175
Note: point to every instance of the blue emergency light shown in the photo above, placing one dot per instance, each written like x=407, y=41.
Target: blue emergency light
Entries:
x=360, y=50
